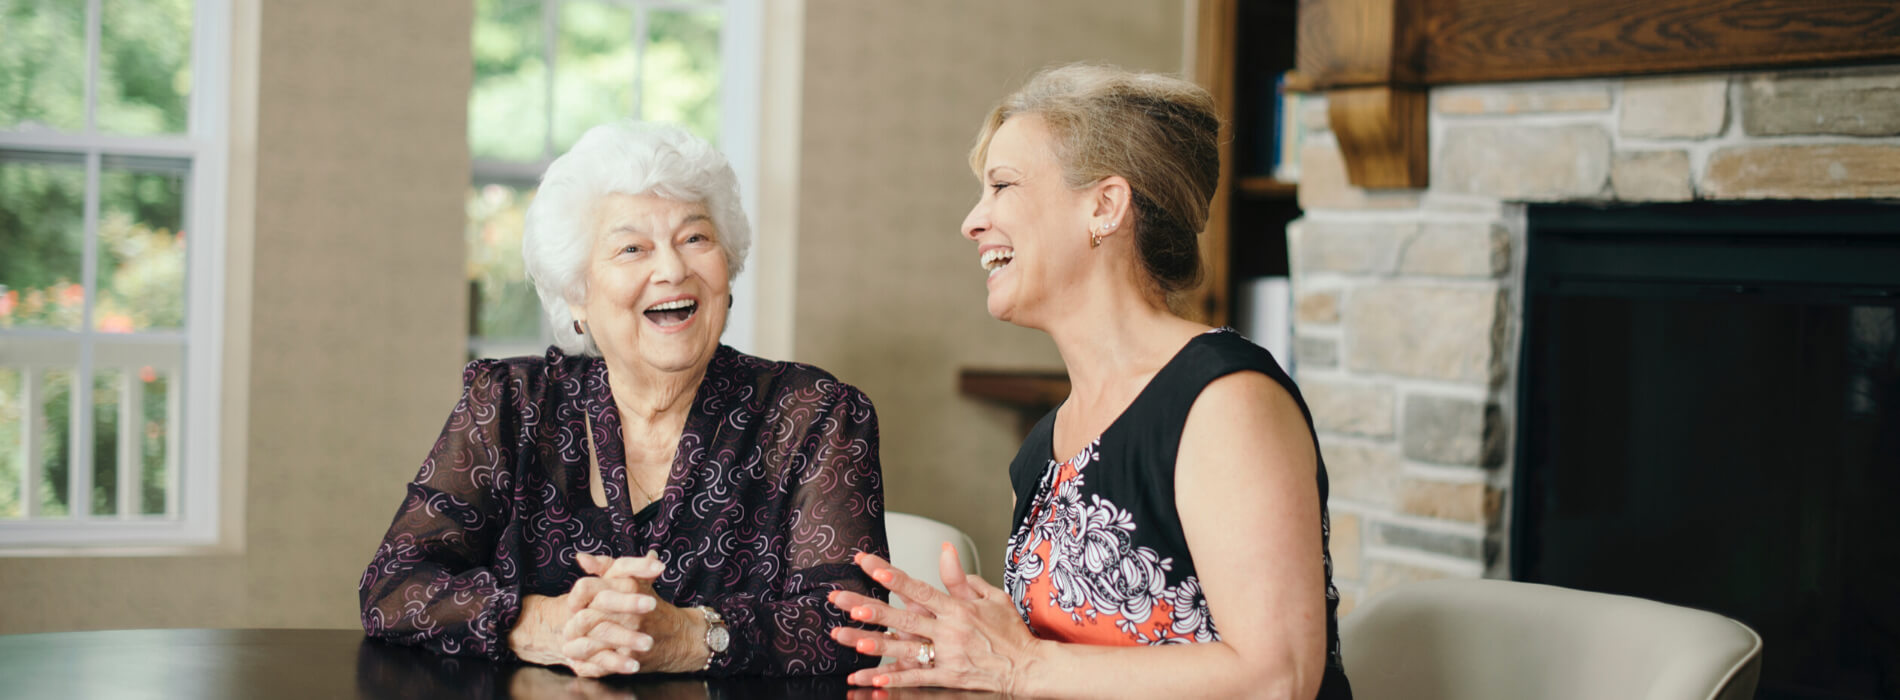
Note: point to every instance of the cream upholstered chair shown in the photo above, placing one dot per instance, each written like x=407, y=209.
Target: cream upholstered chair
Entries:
x=1493, y=640
x=917, y=541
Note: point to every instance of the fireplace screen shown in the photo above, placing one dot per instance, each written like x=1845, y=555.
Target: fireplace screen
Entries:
x=1709, y=416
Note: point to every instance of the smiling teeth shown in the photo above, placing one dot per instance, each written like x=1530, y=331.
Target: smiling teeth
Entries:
x=672, y=305
x=995, y=258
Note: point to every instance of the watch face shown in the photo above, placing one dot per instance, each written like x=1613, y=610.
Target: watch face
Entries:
x=717, y=638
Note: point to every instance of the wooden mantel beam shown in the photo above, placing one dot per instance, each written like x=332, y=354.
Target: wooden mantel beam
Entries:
x=1376, y=59
x=1367, y=56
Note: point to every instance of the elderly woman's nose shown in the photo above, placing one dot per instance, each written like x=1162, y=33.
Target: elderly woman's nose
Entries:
x=668, y=266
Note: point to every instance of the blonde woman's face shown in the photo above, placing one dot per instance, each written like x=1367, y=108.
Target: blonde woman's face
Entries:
x=1029, y=226
x=657, y=289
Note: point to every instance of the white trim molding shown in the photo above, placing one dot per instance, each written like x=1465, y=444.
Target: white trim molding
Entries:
x=191, y=516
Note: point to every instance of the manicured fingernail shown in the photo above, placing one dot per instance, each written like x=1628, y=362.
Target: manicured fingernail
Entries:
x=866, y=646
x=646, y=603
x=881, y=681
x=883, y=576
x=860, y=613
x=857, y=558
x=832, y=597
x=632, y=667
x=642, y=643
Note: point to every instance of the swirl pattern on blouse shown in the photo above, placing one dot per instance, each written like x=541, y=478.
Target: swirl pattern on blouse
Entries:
x=776, y=484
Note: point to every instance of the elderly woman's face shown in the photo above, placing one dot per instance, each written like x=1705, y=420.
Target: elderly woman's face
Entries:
x=1029, y=226
x=657, y=288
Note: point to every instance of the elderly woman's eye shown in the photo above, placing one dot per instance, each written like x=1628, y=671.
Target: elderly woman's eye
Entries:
x=999, y=186
x=630, y=249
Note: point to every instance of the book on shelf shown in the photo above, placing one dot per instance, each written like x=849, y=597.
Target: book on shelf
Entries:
x=1287, y=134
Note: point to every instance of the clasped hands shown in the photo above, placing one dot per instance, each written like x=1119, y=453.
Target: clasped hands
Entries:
x=610, y=622
x=976, y=640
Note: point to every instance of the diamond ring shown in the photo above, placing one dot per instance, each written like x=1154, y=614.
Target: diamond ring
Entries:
x=926, y=654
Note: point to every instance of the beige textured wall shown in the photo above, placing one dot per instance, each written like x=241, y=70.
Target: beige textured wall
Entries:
x=889, y=296
x=349, y=297
x=355, y=326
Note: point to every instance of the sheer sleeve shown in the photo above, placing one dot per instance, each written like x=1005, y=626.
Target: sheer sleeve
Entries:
x=836, y=500
x=436, y=582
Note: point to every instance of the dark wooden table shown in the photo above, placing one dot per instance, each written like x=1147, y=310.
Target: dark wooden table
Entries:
x=192, y=663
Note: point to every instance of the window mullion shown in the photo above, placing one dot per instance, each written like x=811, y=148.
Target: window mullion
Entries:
x=131, y=419
x=79, y=457
x=174, y=441
x=94, y=22
x=550, y=33
x=31, y=425
x=639, y=61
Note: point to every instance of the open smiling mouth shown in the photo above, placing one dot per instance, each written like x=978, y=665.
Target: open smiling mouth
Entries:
x=672, y=313
x=995, y=259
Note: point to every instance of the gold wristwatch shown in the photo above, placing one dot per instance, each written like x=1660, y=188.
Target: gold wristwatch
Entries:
x=717, y=638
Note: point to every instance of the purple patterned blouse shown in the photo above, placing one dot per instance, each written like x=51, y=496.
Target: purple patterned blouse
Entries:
x=775, y=486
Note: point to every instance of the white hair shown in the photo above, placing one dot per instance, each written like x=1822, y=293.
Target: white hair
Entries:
x=632, y=158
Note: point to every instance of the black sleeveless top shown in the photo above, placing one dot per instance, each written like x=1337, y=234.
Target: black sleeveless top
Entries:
x=1097, y=554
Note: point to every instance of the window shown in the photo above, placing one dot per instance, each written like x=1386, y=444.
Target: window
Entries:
x=111, y=159
x=545, y=72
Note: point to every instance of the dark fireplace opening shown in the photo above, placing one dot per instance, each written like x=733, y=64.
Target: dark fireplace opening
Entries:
x=1709, y=416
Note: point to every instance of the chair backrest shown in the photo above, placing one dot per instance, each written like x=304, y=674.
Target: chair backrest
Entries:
x=1491, y=640
x=917, y=541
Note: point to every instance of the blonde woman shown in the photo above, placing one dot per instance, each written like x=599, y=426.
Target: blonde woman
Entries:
x=1170, y=524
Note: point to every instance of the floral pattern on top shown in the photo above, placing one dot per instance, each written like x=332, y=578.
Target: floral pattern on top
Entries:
x=1076, y=574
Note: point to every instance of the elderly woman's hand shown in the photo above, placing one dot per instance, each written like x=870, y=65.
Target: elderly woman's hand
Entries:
x=605, y=624
x=613, y=615
x=976, y=640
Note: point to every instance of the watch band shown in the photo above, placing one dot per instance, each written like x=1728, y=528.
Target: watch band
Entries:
x=717, y=636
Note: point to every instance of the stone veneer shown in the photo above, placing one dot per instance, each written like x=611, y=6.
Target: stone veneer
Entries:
x=1407, y=302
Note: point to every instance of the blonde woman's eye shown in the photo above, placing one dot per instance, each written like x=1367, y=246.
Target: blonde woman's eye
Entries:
x=999, y=186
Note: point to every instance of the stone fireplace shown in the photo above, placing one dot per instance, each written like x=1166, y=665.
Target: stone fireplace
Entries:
x=1409, y=303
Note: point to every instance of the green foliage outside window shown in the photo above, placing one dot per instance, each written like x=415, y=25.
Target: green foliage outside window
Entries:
x=143, y=89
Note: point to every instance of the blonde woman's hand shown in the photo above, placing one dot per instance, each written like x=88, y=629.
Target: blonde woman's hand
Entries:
x=977, y=640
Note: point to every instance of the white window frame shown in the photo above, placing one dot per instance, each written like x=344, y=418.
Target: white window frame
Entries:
x=192, y=494
x=741, y=36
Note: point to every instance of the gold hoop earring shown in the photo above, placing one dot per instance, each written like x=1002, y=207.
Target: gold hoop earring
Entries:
x=1095, y=240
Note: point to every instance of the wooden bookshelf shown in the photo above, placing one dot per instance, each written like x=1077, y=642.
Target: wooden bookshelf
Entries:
x=1266, y=187
x=1031, y=392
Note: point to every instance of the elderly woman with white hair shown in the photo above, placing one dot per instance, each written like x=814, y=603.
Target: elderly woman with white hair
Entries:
x=642, y=498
